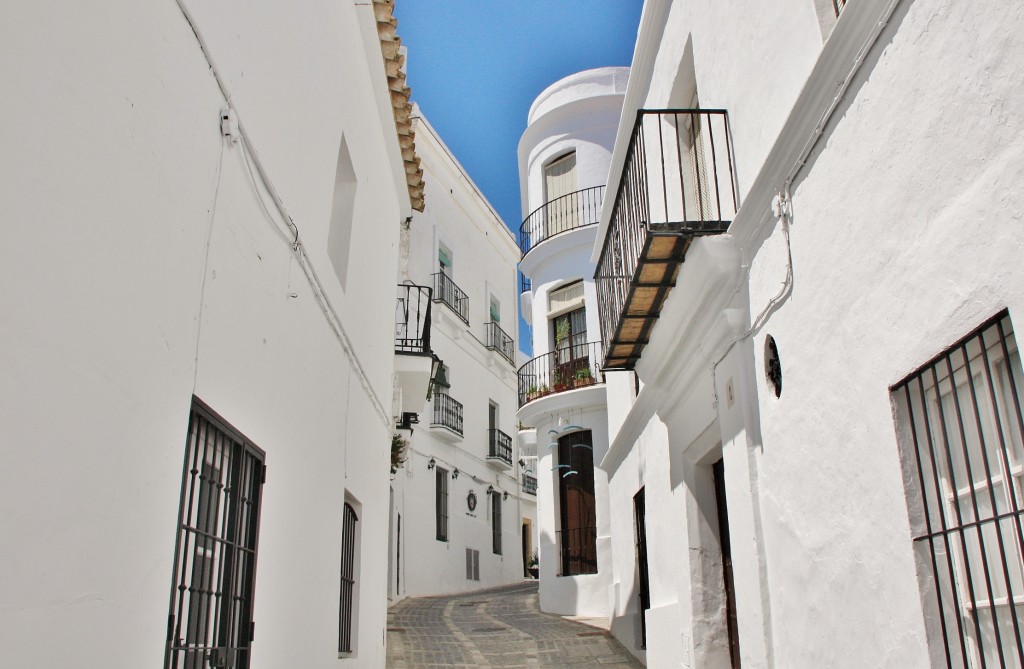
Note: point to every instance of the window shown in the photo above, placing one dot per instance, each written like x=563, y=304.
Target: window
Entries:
x=348, y=578
x=960, y=422
x=495, y=310
x=339, y=236
x=496, y=522
x=215, y=562
x=472, y=565
x=571, y=354
x=444, y=259
x=441, y=503
x=559, y=183
x=577, y=537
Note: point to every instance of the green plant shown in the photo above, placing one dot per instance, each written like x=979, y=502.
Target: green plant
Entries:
x=561, y=331
x=583, y=374
x=398, y=452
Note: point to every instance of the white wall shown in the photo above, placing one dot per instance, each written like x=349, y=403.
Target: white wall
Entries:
x=484, y=261
x=139, y=269
x=903, y=240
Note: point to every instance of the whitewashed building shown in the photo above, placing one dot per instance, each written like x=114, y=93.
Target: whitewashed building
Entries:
x=203, y=205
x=810, y=255
x=563, y=164
x=463, y=507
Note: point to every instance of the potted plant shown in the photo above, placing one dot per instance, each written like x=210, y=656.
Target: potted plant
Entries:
x=561, y=382
x=531, y=392
x=543, y=390
x=533, y=565
x=398, y=452
x=584, y=377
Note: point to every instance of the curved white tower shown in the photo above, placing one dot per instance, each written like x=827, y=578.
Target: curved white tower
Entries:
x=564, y=157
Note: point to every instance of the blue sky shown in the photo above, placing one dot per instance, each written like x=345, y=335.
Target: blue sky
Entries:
x=475, y=66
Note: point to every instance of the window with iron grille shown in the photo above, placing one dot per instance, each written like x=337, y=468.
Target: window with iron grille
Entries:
x=210, y=623
x=496, y=522
x=441, y=503
x=348, y=578
x=472, y=564
x=960, y=423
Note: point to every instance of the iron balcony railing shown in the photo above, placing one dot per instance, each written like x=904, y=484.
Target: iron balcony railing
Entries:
x=677, y=183
x=447, y=413
x=529, y=484
x=578, y=549
x=565, y=213
x=575, y=366
x=499, y=446
x=525, y=285
x=412, y=319
x=498, y=340
x=446, y=291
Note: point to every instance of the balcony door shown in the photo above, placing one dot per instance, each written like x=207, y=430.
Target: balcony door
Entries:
x=570, y=333
x=559, y=183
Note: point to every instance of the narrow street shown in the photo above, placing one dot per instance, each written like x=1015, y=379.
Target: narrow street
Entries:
x=500, y=627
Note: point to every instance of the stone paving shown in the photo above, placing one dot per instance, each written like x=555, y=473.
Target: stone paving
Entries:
x=500, y=627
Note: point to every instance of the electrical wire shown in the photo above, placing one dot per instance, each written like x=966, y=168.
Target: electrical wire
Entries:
x=319, y=292
x=206, y=263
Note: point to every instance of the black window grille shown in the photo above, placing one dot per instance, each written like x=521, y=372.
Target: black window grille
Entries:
x=496, y=522
x=210, y=622
x=441, y=503
x=348, y=578
x=961, y=421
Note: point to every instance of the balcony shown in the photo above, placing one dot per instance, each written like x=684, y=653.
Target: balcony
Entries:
x=576, y=366
x=499, y=450
x=677, y=184
x=412, y=320
x=529, y=485
x=575, y=210
x=447, y=292
x=447, y=414
x=498, y=340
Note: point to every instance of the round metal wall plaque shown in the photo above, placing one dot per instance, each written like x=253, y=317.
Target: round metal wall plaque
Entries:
x=471, y=500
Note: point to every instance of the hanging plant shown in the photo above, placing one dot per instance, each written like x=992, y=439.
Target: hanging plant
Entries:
x=398, y=452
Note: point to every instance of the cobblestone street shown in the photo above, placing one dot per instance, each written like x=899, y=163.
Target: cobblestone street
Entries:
x=501, y=627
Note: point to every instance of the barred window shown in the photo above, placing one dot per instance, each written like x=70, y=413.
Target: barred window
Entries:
x=961, y=429
x=496, y=523
x=348, y=578
x=441, y=503
x=210, y=622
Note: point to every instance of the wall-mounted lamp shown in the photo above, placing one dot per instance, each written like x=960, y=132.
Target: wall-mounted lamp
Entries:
x=504, y=495
x=455, y=473
x=431, y=463
x=490, y=490
x=522, y=463
x=437, y=375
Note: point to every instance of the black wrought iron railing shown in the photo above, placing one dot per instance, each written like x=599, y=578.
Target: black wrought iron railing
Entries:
x=529, y=484
x=446, y=291
x=565, y=213
x=578, y=550
x=447, y=413
x=498, y=340
x=499, y=446
x=575, y=366
x=525, y=285
x=677, y=183
x=412, y=319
